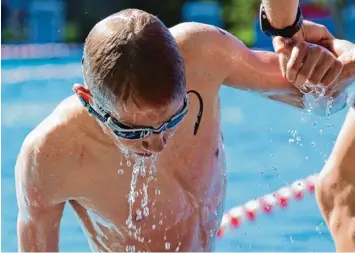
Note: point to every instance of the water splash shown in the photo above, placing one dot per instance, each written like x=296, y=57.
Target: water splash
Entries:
x=167, y=245
x=139, y=171
x=132, y=196
x=295, y=138
x=324, y=105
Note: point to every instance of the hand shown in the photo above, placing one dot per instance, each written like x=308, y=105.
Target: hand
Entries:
x=305, y=64
x=312, y=33
x=345, y=51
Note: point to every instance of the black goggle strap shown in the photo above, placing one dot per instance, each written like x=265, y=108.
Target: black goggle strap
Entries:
x=199, y=115
x=91, y=110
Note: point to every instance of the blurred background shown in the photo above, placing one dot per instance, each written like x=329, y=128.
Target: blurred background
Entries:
x=41, y=52
x=69, y=21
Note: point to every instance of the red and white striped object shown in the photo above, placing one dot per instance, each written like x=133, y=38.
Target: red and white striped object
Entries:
x=39, y=51
x=249, y=211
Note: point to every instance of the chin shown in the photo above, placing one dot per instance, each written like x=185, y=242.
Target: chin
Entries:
x=143, y=154
x=132, y=150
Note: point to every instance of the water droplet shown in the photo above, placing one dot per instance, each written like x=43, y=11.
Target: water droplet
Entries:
x=298, y=138
x=154, y=227
x=313, y=143
x=161, y=222
x=291, y=239
x=130, y=248
x=321, y=132
x=177, y=249
x=146, y=211
x=167, y=245
x=157, y=192
x=307, y=158
x=139, y=215
x=291, y=140
x=120, y=172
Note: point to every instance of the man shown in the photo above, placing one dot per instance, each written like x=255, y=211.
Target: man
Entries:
x=148, y=90
x=335, y=190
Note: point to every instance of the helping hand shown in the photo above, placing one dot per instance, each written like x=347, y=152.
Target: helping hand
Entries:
x=305, y=64
x=314, y=33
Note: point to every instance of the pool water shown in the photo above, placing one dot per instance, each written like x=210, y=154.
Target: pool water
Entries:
x=260, y=158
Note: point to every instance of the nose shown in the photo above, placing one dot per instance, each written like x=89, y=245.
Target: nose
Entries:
x=155, y=143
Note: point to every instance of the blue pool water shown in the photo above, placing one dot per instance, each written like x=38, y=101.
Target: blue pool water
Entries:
x=260, y=158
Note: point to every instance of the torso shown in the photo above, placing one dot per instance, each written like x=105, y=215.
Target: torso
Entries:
x=185, y=193
x=185, y=196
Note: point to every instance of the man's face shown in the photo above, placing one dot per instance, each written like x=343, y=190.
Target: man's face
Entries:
x=143, y=117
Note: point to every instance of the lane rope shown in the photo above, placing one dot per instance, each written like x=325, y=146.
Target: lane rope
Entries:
x=266, y=204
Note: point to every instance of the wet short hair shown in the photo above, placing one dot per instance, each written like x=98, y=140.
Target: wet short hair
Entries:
x=132, y=54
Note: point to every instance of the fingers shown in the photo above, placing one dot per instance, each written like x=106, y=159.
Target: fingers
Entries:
x=307, y=63
x=298, y=56
x=330, y=78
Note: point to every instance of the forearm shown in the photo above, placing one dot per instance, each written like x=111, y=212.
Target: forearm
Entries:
x=281, y=13
x=31, y=238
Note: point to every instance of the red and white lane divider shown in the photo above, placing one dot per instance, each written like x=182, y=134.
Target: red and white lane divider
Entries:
x=248, y=212
x=39, y=51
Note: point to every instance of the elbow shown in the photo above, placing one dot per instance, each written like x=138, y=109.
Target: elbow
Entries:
x=325, y=192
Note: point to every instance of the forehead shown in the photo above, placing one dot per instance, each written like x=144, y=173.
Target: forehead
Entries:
x=132, y=114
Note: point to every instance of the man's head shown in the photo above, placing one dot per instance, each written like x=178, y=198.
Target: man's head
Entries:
x=134, y=71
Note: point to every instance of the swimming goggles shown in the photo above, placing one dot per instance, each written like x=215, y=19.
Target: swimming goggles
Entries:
x=134, y=132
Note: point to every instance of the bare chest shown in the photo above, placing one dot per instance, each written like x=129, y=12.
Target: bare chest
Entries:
x=169, y=203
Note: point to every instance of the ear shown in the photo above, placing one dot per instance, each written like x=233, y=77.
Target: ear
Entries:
x=82, y=91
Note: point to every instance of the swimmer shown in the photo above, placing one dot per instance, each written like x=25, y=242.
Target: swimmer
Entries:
x=150, y=99
x=335, y=188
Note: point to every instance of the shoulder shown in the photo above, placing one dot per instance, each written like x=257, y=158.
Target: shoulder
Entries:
x=199, y=35
x=44, y=161
x=208, y=51
x=185, y=30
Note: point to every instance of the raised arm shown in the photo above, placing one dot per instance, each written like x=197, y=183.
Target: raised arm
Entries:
x=221, y=55
x=38, y=215
x=281, y=13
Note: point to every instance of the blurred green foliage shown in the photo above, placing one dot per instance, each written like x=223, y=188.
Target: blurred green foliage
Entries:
x=239, y=16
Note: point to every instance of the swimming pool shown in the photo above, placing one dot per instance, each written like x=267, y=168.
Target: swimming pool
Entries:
x=260, y=157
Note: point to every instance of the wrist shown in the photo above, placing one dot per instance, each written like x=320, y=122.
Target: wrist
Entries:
x=282, y=23
x=287, y=31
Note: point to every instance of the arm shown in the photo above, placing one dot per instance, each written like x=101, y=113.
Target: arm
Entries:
x=281, y=13
x=225, y=59
x=38, y=217
x=260, y=71
x=335, y=190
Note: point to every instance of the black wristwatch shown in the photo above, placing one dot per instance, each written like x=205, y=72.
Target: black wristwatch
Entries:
x=286, y=32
